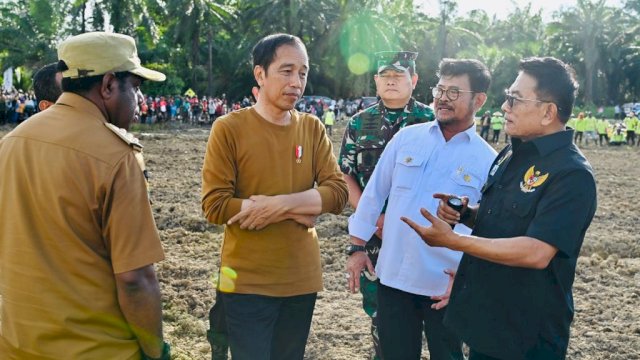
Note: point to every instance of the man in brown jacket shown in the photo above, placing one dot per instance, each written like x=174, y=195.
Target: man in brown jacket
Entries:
x=77, y=236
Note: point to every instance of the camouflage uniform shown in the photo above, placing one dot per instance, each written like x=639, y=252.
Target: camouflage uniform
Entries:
x=365, y=137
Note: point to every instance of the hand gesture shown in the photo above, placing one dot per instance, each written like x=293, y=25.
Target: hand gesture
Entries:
x=445, y=212
x=443, y=300
x=439, y=234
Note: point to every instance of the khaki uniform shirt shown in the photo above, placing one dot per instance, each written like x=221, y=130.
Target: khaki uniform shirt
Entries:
x=75, y=211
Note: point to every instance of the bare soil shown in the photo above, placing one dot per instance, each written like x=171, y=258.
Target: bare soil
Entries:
x=606, y=289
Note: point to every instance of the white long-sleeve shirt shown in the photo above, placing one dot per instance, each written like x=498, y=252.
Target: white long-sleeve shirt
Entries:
x=417, y=163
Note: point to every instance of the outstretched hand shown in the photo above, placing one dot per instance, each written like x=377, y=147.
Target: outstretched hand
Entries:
x=439, y=234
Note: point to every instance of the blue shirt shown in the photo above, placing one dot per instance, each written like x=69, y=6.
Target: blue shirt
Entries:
x=417, y=163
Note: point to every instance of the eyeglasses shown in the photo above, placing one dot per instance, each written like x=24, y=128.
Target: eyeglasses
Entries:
x=510, y=99
x=452, y=93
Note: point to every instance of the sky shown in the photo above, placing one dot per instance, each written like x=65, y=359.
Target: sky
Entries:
x=502, y=8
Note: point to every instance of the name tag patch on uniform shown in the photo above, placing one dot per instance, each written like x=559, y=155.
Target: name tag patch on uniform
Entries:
x=532, y=179
x=502, y=159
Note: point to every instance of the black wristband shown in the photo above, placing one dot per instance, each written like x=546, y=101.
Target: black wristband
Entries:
x=166, y=353
x=354, y=248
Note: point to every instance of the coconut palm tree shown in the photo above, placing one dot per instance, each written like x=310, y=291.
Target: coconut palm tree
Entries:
x=581, y=31
x=189, y=21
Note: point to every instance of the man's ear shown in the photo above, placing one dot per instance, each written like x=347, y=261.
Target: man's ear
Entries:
x=109, y=85
x=44, y=104
x=479, y=101
x=550, y=114
x=414, y=80
x=259, y=74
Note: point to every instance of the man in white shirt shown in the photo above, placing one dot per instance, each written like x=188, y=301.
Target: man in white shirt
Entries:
x=445, y=156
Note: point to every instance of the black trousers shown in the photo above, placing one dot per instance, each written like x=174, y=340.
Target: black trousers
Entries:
x=577, y=137
x=217, y=333
x=605, y=137
x=631, y=137
x=402, y=317
x=496, y=136
x=484, y=132
x=473, y=355
x=541, y=350
x=268, y=328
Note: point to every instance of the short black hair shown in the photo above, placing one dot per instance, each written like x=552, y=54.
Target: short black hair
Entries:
x=85, y=84
x=479, y=75
x=556, y=82
x=45, y=85
x=264, y=51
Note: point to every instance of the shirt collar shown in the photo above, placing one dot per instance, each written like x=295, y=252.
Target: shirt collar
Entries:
x=83, y=104
x=407, y=108
x=548, y=143
x=468, y=134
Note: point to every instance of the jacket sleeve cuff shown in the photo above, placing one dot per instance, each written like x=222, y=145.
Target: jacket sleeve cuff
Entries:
x=360, y=229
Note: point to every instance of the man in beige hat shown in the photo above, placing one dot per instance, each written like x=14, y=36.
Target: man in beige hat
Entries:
x=77, y=236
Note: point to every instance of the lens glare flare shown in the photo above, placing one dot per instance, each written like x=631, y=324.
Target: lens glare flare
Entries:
x=225, y=280
x=358, y=63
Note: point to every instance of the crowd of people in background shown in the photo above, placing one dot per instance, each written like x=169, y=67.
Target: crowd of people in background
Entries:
x=16, y=106
x=600, y=131
x=623, y=129
x=187, y=109
x=341, y=108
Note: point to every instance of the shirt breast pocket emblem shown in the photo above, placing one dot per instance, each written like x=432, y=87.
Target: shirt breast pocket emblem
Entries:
x=407, y=171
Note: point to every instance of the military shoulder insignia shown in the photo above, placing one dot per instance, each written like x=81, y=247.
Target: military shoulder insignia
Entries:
x=125, y=136
x=532, y=179
x=137, y=147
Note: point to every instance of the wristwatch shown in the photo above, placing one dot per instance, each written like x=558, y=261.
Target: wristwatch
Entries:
x=354, y=248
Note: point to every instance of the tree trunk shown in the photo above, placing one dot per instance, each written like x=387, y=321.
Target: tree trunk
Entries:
x=210, y=63
x=195, y=57
x=590, y=64
x=83, y=17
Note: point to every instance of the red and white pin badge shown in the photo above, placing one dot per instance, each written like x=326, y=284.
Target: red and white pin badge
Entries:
x=299, y=154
